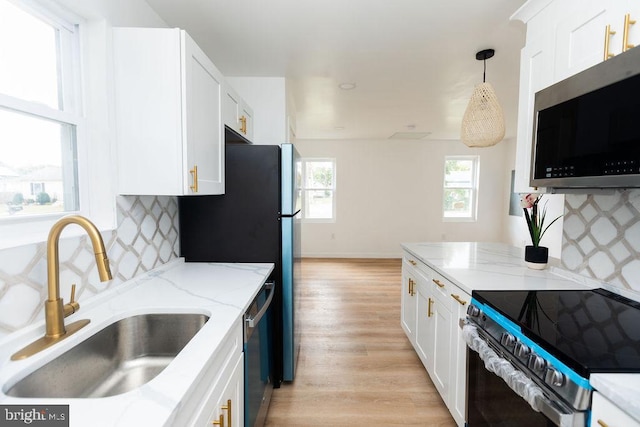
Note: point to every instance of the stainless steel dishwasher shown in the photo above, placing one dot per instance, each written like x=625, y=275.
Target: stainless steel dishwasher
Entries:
x=258, y=384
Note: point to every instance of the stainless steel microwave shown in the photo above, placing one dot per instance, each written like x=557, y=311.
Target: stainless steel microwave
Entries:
x=586, y=131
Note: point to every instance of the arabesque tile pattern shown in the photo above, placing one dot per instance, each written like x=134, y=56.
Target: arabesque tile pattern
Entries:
x=146, y=237
x=601, y=237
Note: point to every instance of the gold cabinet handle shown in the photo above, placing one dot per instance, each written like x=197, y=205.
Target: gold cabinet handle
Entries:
x=413, y=262
x=411, y=287
x=243, y=124
x=194, y=176
x=602, y=423
x=429, y=313
x=227, y=408
x=438, y=282
x=628, y=22
x=457, y=298
x=607, y=37
x=219, y=421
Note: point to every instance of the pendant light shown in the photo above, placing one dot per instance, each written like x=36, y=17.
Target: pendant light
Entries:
x=483, y=120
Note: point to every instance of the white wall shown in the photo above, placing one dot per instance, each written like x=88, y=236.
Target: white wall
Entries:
x=390, y=191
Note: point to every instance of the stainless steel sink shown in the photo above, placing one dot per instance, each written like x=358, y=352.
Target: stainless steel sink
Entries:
x=117, y=359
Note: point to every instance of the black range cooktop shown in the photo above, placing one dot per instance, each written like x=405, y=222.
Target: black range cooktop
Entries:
x=590, y=331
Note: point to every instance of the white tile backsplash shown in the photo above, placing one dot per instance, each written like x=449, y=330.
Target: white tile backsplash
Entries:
x=146, y=237
x=601, y=237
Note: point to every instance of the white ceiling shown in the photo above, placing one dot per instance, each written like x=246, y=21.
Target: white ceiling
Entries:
x=413, y=61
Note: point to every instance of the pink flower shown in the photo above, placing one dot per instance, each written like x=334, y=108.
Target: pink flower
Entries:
x=528, y=201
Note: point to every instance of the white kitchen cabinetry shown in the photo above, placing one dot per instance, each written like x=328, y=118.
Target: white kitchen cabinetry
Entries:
x=605, y=414
x=222, y=389
x=458, y=390
x=169, y=116
x=436, y=335
x=237, y=113
x=563, y=38
x=409, y=299
x=228, y=410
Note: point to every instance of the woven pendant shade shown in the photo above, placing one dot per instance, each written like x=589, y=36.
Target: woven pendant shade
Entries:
x=483, y=120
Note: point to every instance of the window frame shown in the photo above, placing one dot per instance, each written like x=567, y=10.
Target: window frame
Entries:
x=474, y=187
x=304, y=189
x=15, y=230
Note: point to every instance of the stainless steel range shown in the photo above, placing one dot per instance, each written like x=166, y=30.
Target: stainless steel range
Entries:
x=531, y=353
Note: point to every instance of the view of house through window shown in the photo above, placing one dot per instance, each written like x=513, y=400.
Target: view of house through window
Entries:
x=317, y=188
x=460, y=187
x=38, y=113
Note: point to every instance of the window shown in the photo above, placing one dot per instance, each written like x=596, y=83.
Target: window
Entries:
x=39, y=112
x=460, y=188
x=318, y=189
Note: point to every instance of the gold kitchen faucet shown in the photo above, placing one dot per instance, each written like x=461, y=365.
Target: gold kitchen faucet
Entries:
x=54, y=308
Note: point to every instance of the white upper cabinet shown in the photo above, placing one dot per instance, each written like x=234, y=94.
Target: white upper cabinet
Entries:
x=169, y=115
x=536, y=72
x=237, y=114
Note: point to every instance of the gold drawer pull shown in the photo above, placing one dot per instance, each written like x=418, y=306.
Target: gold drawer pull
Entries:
x=194, y=175
x=457, y=298
x=413, y=262
x=602, y=423
x=438, y=282
x=429, y=313
x=219, y=422
x=628, y=22
x=607, y=37
x=243, y=124
x=227, y=408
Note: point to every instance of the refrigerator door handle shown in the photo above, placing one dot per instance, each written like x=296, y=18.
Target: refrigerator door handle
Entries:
x=290, y=215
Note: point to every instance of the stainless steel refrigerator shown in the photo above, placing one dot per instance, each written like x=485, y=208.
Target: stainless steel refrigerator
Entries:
x=256, y=220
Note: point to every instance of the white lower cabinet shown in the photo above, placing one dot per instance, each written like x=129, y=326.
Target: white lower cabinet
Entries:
x=435, y=333
x=225, y=402
x=220, y=391
x=605, y=413
x=409, y=300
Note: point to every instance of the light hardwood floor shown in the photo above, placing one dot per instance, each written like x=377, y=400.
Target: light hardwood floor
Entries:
x=356, y=365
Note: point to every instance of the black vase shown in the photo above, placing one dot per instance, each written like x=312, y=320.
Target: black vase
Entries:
x=536, y=257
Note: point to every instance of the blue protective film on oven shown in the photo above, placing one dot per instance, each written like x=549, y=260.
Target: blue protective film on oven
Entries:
x=515, y=330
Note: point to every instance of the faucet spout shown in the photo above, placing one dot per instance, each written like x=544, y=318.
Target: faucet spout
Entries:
x=54, y=308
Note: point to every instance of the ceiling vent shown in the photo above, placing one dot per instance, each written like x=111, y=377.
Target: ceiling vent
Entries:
x=410, y=135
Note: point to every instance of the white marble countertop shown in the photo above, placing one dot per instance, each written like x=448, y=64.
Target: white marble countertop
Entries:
x=495, y=266
x=621, y=389
x=221, y=291
x=487, y=266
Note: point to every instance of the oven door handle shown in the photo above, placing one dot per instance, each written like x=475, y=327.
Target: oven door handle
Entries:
x=557, y=412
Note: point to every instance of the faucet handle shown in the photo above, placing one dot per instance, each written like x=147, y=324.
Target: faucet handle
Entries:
x=72, y=306
x=73, y=294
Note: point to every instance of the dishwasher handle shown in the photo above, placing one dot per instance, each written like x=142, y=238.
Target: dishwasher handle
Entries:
x=253, y=321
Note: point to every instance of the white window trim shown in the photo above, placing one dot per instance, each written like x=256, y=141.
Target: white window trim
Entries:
x=474, y=189
x=94, y=153
x=333, y=189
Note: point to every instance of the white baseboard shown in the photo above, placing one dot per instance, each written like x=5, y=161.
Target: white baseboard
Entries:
x=352, y=255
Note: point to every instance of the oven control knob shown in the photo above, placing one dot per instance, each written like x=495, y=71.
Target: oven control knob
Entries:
x=521, y=350
x=508, y=340
x=473, y=311
x=537, y=363
x=554, y=378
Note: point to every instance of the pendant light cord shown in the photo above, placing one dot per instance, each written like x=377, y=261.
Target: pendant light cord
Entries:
x=484, y=74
